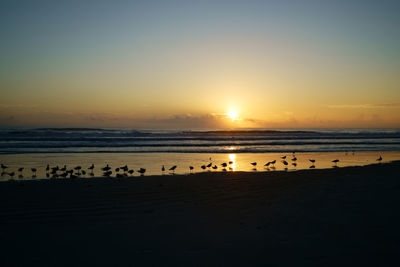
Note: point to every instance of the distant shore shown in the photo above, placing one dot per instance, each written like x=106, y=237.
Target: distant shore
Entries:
x=328, y=217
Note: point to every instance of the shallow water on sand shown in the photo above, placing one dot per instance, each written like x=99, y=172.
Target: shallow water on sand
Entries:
x=152, y=162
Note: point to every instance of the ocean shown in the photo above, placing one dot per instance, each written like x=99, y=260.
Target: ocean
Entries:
x=151, y=149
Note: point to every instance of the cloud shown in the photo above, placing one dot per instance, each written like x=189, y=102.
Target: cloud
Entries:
x=366, y=106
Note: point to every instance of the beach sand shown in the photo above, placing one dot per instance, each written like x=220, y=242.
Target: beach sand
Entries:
x=330, y=217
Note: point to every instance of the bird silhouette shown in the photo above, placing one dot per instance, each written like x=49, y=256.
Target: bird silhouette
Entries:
x=215, y=167
x=191, y=168
x=285, y=162
x=173, y=169
x=106, y=168
x=283, y=157
x=224, y=164
x=254, y=163
x=335, y=161
x=312, y=161
x=379, y=159
x=91, y=167
x=209, y=165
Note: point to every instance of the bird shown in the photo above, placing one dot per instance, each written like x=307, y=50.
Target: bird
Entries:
x=34, y=170
x=379, y=159
x=12, y=174
x=63, y=169
x=273, y=162
x=312, y=167
x=55, y=169
x=312, y=161
x=191, y=168
x=131, y=172
x=215, y=167
x=141, y=171
x=125, y=168
x=254, y=163
x=78, y=168
x=335, y=161
x=267, y=164
x=203, y=167
x=294, y=159
x=163, y=168
x=224, y=164
x=209, y=165
x=83, y=172
x=294, y=164
x=284, y=157
x=20, y=169
x=285, y=162
x=230, y=162
x=116, y=169
x=91, y=167
x=47, y=168
x=173, y=168
x=106, y=168
x=3, y=167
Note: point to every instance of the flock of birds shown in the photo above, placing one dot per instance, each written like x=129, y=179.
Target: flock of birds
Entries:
x=79, y=171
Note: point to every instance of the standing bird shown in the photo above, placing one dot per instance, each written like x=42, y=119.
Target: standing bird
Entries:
x=106, y=168
x=230, y=162
x=294, y=159
x=191, y=168
x=131, y=172
x=335, y=161
x=267, y=164
x=3, y=167
x=20, y=169
x=284, y=157
x=254, y=163
x=285, y=162
x=379, y=159
x=203, y=167
x=312, y=161
x=12, y=174
x=63, y=169
x=209, y=165
x=47, y=168
x=224, y=164
x=34, y=170
x=162, y=169
x=173, y=169
x=215, y=167
x=273, y=162
x=91, y=168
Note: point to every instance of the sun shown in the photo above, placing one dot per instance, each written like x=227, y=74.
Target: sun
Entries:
x=232, y=114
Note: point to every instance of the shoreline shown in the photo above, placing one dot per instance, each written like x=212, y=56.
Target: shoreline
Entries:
x=324, y=217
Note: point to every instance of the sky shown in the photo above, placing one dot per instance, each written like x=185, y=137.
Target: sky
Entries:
x=200, y=64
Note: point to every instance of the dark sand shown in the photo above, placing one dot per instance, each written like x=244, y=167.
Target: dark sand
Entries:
x=345, y=216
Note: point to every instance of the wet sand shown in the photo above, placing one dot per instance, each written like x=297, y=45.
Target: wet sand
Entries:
x=330, y=217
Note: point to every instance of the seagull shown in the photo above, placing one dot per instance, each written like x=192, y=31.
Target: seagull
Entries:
x=224, y=164
x=33, y=170
x=106, y=168
x=215, y=167
x=294, y=159
x=173, y=168
x=131, y=172
x=203, y=167
x=141, y=171
x=163, y=168
x=78, y=168
x=379, y=159
x=273, y=162
x=335, y=161
x=267, y=164
x=294, y=164
x=284, y=157
x=285, y=162
x=20, y=169
x=209, y=165
x=125, y=168
x=106, y=174
x=312, y=161
x=91, y=167
x=48, y=168
x=12, y=174
x=116, y=169
x=64, y=168
x=230, y=162
x=3, y=167
x=191, y=168
x=254, y=163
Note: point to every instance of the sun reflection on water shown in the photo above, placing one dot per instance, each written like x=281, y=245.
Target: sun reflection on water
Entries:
x=232, y=158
